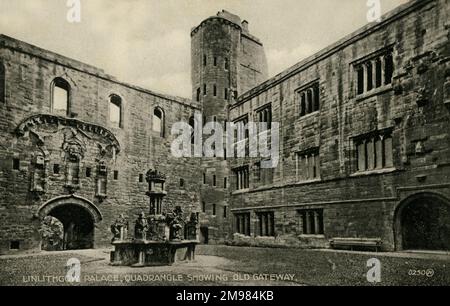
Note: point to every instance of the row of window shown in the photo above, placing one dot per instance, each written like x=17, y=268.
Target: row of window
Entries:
x=214, y=210
x=214, y=181
x=373, y=151
x=215, y=92
x=215, y=61
x=310, y=223
x=61, y=104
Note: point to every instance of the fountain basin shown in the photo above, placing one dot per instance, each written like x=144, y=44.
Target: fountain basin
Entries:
x=141, y=253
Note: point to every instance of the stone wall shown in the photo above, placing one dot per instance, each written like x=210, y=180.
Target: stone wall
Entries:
x=414, y=107
x=30, y=72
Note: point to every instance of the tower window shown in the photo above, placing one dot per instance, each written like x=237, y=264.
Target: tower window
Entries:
x=215, y=90
x=203, y=207
x=225, y=93
x=225, y=185
x=227, y=64
x=225, y=211
x=214, y=180
x=115, y=111
x=215, y=60
x=204, y=178
x=158, y=121
x=56, y=169
x=181, y=182
x=141, y=178
x=204, y=89
x=88, y=171
x=214, y=209
x=198, y=94
x=204, y=60
x=60, y=96
x=116, y=175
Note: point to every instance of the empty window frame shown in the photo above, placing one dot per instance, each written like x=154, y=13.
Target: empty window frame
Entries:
x=374, y=73
x=309, y=99
x=311, y=221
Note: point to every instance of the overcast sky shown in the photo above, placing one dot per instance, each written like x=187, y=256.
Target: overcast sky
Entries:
x=147, y=42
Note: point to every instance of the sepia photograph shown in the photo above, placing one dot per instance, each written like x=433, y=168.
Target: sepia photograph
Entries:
x=224, y=148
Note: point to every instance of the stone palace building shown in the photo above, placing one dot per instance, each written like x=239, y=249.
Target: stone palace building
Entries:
x=364, y=141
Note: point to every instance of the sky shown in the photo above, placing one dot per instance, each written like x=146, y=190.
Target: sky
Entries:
x=147, y=42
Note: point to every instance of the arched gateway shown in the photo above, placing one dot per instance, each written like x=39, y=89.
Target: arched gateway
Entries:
x=422, y=222
x=78, y=216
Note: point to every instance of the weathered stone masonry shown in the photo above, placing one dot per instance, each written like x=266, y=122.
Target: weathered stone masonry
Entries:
x=40, y=142
x=413, y=108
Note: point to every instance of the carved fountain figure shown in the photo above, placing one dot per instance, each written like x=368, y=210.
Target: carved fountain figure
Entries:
x=158, y=238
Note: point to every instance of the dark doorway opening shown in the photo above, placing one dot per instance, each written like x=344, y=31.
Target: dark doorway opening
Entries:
x=204, y=234
x=78, y=226
x=425, y=224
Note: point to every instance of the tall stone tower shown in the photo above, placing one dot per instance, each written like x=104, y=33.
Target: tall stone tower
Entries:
x=226, y=61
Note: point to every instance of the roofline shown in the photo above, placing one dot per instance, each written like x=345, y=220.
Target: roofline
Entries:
x=61, y=60
x=362, y=32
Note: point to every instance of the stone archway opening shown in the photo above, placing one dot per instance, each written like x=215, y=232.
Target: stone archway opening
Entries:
x=78, y=226
x=423, y=223
x=77, y=218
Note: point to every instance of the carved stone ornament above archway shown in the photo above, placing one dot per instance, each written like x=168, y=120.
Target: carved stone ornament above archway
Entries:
x=34, y=121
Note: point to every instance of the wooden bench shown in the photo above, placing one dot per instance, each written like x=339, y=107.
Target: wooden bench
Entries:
x=360, y=243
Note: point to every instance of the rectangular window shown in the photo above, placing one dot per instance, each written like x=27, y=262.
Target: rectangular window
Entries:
x=242, y=178
x=311, y=221
x=374, y=151
x=88, y=172
x=374, y=72
x=227, y=64
x=214, y=180
x=214, y=209
x=204, y=178
x=181, y=182
x=73, y=173
x=265, y=116
x=225, y=185
x=116, y=175
x=225, y=93
x=141, y=178
x=14, y=245
x=308, y=165
x=16, y=164
x=266, y=224
x=242, y=223
x=225, y=209
x=203, y=207
x=215, y=60
x=56, y=169
x=215, y=90
x=204, y=60
x=309, y=99
x=204, y=89
x=101, y=186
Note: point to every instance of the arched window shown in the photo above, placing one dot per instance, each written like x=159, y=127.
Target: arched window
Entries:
x=60, y=96
x=158, y=121
x=115, y=111
x=2, y=83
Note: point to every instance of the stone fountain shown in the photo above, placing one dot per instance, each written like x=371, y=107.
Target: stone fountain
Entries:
x=161, y=238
